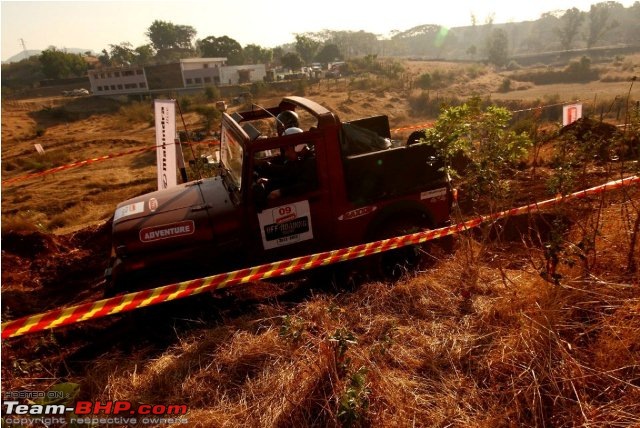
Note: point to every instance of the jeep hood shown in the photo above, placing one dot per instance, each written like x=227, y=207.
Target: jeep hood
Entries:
x=175, y=198
x=183, y=216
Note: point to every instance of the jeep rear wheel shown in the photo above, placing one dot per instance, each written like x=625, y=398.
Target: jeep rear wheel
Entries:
x=392, y=265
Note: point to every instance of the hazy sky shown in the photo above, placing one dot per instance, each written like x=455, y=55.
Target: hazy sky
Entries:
x=94, y=25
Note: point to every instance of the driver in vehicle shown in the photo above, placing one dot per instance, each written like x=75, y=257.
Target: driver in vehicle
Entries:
x=287, y=123
x=294, y=172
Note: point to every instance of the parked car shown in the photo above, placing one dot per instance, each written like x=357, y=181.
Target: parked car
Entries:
x=76, y=92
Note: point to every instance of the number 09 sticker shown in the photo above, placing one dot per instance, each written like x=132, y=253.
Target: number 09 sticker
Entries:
x=285, y=225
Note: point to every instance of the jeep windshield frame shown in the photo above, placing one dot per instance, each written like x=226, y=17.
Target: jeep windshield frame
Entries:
x=232, y=150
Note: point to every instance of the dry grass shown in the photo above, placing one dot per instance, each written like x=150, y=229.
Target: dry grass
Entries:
x=469, y=343
x=479, y=340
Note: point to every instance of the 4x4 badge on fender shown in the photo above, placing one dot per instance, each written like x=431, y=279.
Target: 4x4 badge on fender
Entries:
x=358, y=212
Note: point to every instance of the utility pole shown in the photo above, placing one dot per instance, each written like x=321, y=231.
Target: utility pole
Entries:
x=24, y=48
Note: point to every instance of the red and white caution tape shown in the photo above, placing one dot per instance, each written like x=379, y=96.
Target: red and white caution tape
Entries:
x=74, y=165
x=78, y=164
x=140, y=299
x=408, y=128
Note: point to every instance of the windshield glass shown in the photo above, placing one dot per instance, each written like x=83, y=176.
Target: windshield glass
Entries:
x=231, y=156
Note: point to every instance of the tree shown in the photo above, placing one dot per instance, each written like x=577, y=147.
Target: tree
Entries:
x=571, y=22
x=219, y=47
x=105, y=59
x=329, y=53
x=306, y=47
x=254, y=54
x=599, y=24
x=143, y=55
x=122, y=54
x=26, y=72
x=291, y=60
x=277, y=53
x=57, y=64
x=497, y=46
x=165, y=35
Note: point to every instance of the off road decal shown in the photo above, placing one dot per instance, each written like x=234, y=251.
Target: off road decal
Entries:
x=358, y=212
x=432, y=194
x=128, y=210
x=285, y=225
x=166, y=231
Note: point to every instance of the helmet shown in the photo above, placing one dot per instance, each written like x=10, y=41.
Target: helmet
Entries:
x=286, y=119
x=292, y=130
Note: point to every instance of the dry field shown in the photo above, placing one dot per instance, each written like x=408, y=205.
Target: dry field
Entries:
x=481, y=339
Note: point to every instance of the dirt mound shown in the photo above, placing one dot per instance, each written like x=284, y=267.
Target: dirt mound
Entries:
x=29, y=244
x=585, y=129
x=41, y=271
x=602, y=140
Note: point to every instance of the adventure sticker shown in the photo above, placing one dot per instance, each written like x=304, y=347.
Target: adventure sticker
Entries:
x=166, y=231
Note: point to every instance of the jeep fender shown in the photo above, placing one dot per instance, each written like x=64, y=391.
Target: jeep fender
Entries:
x=402, y=211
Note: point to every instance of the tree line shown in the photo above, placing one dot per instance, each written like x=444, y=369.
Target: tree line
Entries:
x=605, y=23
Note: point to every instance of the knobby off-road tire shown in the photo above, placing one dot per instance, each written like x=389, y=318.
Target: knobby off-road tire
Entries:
x=392, y=265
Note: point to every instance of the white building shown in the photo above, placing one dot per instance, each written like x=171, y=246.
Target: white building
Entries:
x=114, y=81
x=235, y=74
x=201, y=71
x=189, y=73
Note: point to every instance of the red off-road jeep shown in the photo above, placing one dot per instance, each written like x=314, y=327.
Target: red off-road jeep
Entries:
x=364, y=187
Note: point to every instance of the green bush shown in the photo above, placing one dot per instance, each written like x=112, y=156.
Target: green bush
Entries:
x=505, y=86
x=488, y=149
x=259, y=89
x=424, y=81
x=209, y=115
x=212, y=93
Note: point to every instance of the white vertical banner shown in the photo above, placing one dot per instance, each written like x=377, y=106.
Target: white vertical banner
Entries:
x=165, y=114
x=571, y=113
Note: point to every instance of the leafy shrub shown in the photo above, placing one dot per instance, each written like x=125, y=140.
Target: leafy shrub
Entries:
x=50, y=159
x=424, y=81
x=354, y=402
x=212, y=93
x=209, y=115
x=505, y=86
x=259, y=89
x=185, y=103
x=478, y=147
